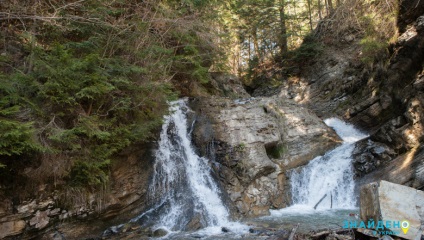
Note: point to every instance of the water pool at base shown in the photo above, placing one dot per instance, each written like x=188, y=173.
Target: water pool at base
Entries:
x=308, y=219
x=183, y=190
x=280, y=220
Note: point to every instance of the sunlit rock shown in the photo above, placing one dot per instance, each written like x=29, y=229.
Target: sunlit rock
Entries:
x=11, y=228
x=252, y=142
x=386, y=201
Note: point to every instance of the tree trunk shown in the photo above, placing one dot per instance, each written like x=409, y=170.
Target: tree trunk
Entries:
x=256, y=44
x=310, y=14
x=283, y=29
x=319, y=10
x=326, y=7
x=330, y=6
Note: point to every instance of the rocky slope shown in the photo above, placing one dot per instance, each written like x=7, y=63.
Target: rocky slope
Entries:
x=253, y=142
x=384, y=98
x=75, y=213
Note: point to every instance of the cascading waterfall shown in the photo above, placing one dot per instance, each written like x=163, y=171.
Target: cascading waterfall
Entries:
x=330, y=175
x=182, y=183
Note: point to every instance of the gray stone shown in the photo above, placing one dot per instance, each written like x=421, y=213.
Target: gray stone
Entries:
x=45, y=204
x=253, y=142
x=419, y=24
x=349, y=38
x=54, y=212
x=11, y=228
x=160, y=232
x=369, y=155
x=195, y=223
x=27, y=207
x=385, y=201
x=227, y=85
x=40, y=220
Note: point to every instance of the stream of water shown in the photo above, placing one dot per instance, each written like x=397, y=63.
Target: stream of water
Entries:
x=330, y=175
x=186, y=194
x=182, y=185
x=323, y=190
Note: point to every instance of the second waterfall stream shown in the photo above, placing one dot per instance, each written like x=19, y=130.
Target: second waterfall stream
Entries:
x=327, y=181
x=185, y=196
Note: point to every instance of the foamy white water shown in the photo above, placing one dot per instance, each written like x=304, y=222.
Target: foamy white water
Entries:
x=182, y=182
x=330, y=175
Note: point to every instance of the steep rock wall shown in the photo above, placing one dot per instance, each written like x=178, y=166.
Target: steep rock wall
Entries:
x=253, y=142
x=75, y=213
x=385, y=98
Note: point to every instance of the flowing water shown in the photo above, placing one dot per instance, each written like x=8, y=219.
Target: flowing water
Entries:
x=186, y=195
x=330, y=175
x=323, y=190
x=182, y=185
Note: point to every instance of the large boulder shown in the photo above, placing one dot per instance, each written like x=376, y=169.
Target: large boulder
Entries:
x=387, y=202
x=253, y=142
x=11, y=228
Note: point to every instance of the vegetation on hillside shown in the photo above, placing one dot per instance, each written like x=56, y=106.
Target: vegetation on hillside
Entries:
x=83, y=80
x=278, y=35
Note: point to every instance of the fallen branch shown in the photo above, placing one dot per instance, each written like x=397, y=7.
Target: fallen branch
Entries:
x=293, y=232
x=316, y=205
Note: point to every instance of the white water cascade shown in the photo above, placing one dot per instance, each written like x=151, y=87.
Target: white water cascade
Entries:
x=330, y=175
x=182, y=184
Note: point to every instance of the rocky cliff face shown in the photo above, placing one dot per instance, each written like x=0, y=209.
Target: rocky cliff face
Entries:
x=66, y=213
x=403, y=131
x=395, y=114
x=384, y=98
x=253, y=142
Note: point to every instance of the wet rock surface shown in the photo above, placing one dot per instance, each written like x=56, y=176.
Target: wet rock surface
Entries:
x=253, y=142
x=254, y=233
x=369, y=155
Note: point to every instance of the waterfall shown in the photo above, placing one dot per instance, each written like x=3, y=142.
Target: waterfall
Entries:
x=182, y=185
x=330, y=175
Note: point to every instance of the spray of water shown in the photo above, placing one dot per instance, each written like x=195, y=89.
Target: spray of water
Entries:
x=330, y=175
x=182, y=183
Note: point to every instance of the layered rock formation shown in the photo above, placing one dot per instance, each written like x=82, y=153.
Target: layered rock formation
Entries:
x=65, y=213
x=253, y=142
x=384, y=98
x=396, y=117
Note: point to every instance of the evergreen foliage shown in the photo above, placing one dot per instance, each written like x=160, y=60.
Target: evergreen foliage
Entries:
x=85, y=80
